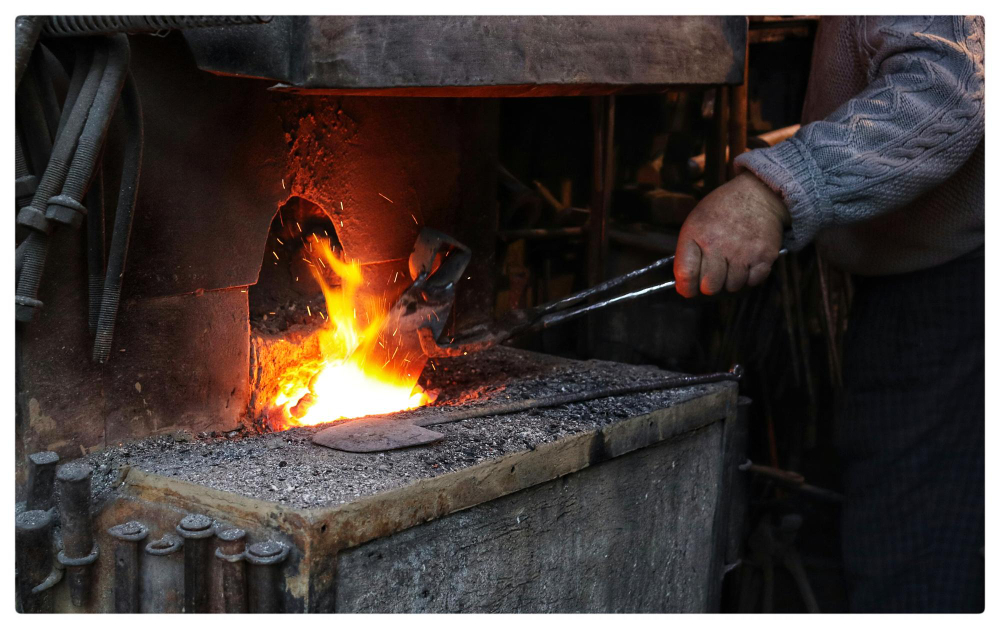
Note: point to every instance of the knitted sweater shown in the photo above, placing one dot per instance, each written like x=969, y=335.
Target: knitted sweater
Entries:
x=887, y=171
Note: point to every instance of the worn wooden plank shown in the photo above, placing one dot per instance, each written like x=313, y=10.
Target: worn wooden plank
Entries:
x=633, y=534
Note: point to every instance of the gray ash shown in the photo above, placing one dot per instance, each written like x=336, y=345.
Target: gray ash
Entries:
x=287, y=468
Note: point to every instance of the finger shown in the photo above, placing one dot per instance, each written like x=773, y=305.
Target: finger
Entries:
x=758, y=273
x=713, y=273
x=687, y=267
x=736, y=277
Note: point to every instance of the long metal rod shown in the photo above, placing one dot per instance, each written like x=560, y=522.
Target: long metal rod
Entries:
x=561, y=317
x=519, y=406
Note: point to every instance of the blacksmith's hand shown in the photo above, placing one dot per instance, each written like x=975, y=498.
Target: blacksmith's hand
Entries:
x=731, y=238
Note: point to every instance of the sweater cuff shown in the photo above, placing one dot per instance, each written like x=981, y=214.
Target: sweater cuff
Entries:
x=789, y=170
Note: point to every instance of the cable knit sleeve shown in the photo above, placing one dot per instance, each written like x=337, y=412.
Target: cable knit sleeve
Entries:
x=918, y=120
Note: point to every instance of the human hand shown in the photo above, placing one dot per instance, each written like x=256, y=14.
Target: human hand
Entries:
x=731, y=238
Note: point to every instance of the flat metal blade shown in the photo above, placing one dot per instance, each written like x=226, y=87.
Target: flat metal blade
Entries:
x=374, y=435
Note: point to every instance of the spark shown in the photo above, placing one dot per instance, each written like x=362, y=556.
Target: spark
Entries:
x=282, y=184
x=323, y=316
x=321, y=262
x=280, y=242
x=396, y=277
x=299, y=226
x=276, y=256
x=308, y=310
x=414, y=219
x=385, y=197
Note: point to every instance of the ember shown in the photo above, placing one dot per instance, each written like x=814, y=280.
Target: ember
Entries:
x=359, y=369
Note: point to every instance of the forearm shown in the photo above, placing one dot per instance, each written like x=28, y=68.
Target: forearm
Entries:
x=915, y=124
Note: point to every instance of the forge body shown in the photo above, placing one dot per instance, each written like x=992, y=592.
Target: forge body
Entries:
x=618, y=504
x=611, y=505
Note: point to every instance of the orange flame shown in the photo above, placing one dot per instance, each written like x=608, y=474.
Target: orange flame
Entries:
x=355, y=373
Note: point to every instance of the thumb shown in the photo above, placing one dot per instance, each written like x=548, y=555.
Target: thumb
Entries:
x=687, y=267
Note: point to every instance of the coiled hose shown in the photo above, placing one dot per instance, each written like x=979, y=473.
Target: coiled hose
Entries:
x=34, y=249
x=74, y=25
x=123, y=222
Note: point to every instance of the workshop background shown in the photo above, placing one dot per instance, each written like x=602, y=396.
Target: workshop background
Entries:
x=787, y=333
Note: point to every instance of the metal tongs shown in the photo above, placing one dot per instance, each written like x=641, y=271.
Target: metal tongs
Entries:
x=480, y=337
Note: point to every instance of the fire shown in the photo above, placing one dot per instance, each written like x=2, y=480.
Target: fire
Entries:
x=358, y=370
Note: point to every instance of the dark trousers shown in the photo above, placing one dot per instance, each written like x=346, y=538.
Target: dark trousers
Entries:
x=911, y=433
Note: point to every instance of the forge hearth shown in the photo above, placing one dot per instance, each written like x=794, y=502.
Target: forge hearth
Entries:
x=610, y=505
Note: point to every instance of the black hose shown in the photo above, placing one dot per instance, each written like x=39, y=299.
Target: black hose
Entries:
x=95, y=249
x=20, y=163
x=123, y=222
x=27, y=28
x=46, y=90
x=67, y=207
x=73, y=25
x=82, y=61
x=25, y=184
x=35, y=246
x=31, y=116
x=98, y=120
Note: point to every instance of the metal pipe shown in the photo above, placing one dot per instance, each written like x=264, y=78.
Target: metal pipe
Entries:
x=126, y=552
x=196, y=529
x=41, y=476
x=231, y=544
x=73, y=482
x=265, y=560
x=162, y=589
x=33, y=559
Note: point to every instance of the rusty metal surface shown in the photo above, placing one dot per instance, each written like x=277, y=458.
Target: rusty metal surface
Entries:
x=127, y=537
x=213, y=164
x=479, y=56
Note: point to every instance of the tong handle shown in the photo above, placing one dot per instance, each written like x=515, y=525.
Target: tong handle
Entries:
x=560, y=316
